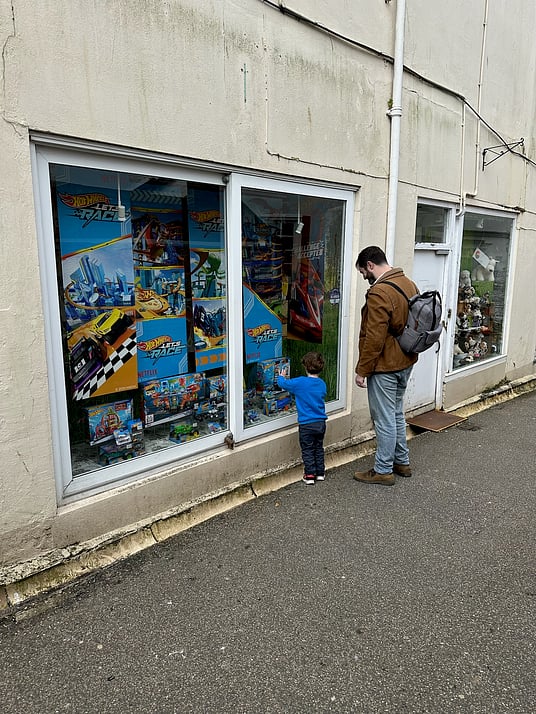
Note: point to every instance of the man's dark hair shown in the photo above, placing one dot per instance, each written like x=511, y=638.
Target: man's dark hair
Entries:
x=372, y=253
x=313, y=362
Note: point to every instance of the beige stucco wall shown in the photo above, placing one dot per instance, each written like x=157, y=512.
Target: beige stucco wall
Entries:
x=242, y=85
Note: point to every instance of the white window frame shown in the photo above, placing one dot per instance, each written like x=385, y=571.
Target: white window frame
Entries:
x=451, y=373
x=236, y=367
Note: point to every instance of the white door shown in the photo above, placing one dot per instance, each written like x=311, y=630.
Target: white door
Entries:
x=429, y=274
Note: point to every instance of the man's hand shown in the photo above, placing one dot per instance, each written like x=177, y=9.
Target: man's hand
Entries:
x=360, y=381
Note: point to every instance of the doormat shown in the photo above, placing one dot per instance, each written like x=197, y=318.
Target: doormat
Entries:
x=435, y=420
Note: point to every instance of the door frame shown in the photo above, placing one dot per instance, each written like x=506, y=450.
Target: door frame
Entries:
x=447, y=290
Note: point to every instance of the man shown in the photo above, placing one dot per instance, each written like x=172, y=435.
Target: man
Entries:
x=382, y=366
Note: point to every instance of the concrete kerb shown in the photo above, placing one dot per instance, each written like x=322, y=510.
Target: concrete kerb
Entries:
x=28, y=582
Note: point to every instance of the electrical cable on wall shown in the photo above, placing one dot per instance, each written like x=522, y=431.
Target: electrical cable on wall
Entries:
x=382, y=55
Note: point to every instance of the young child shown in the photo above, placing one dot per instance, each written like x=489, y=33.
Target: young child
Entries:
x=310, y=393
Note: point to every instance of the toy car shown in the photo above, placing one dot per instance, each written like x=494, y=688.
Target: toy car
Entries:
x=110, y=325
x=181, y=433
x=85, y=359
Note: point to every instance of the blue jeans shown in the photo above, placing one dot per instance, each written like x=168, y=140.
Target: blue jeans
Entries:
x=386, y=403
x=312, y=447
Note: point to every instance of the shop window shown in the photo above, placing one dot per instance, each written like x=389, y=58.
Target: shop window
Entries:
x=431, y=224
x=165, y=335
x=482, y=286
x=292, y=276
x=142, y=288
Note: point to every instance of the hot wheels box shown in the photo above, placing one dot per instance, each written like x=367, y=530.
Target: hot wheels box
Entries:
x=217, y=388
x=135, y=427
x=276, y=402
x=112, y=453
x=268, y=371
x=104, y=419
x=164, y=399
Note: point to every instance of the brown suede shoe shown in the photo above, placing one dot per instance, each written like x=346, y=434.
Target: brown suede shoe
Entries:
x=402, y=470
x=371, y=476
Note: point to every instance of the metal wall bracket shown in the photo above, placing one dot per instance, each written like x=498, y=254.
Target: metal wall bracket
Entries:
x=505, y=148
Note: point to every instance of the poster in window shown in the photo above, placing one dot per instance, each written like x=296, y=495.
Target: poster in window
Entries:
x=208, y=277
x=263, y=336
x=306, y=293
x=98, y=286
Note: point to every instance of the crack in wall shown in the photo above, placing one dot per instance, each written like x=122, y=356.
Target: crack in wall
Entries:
x=3, y=90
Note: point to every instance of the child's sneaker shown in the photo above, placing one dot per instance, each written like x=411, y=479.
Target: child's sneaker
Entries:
x=320, y=477
x=308, y=478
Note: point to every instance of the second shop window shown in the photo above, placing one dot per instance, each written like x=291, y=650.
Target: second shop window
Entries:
x=291, y=264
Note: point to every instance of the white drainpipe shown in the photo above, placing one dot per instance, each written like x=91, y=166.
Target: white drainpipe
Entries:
x=395, y=113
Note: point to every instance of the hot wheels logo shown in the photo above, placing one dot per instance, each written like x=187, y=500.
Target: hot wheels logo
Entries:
x=154, y=343
x=204, y=216
x=263, y=333
x=83, y=200
x=208, y=221
x=162, y=346
x=90, y=207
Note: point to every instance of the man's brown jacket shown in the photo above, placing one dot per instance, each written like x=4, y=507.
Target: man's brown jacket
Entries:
x=384, y=316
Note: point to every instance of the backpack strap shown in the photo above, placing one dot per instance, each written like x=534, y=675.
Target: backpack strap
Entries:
x=399, y=289
x=395, y=286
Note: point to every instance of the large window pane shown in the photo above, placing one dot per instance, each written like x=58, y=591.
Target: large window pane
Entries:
x=142, y=289
x=291, y=260
x=482, y=288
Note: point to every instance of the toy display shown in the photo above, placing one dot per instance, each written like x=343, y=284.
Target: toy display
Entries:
x=474, y=319
x=135, y=428
x=268, y=371
x=164, y=399
x=266, y=398
x=262, y=259
x=185, y=395
x=104, y=419
x=142, y=264
x=484, y=271
x=127, y=442
x=181, y=432
x=276, y=402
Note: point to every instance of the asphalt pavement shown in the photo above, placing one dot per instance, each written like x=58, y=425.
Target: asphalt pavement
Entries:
x=337, y=597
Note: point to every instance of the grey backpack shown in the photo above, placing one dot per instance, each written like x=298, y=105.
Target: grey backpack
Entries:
x=423, y=327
